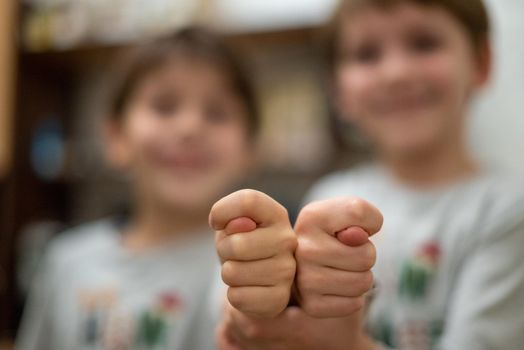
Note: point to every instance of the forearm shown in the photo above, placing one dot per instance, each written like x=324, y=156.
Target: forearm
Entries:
x=353, y=335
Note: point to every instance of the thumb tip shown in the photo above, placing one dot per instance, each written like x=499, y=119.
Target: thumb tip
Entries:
x=353, y=236
x=241, y=224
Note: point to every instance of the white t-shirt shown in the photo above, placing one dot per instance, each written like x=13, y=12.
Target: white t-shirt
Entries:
x=450, y=265
x=92, y=293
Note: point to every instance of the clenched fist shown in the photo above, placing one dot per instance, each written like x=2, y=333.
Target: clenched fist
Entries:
x=256, y=245
x=334, y=256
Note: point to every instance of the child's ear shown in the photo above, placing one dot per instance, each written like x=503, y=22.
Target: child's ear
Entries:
x=116, y=150
x=485, y=63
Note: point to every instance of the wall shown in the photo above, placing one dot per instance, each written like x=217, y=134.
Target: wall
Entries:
x=497, y=126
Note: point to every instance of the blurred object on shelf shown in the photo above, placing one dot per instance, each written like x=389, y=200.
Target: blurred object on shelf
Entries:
x=66, y=24
x=47, y=150
x=295, y=134
x=269, y=15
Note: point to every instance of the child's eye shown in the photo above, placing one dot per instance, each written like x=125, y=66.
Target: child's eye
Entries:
x=365, y=54
x=164, y=106
x=425, y=43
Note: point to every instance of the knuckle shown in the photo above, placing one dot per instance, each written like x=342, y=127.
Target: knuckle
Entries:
x=281, y=294
x=307, y=282
x=306, y=250
x=249, y=198
x=380, y=220
x=284, y=269
x=313, y=306
x=368, y=281
x=228, y=273
x=365, y=282
x=289, y=241
x=281, y=212
x=212, y=213
x=279, y=299
x=301, y=281
x=288, y=268
x=236, y=298
x=308, y=216
x=353, y=305
x=222, y=249
x=356, y=208
x=236, y=246
x=369, y=256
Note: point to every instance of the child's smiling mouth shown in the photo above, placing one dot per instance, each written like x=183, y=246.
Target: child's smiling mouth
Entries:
x=184, y=162
x=403, y=105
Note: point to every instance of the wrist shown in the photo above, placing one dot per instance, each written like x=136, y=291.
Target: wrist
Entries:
x=364, y=342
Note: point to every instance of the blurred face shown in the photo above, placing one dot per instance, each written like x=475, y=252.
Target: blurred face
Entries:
x=404, y=77
x=184, y=136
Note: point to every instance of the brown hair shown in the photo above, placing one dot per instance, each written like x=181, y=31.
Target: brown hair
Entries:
x=472, y=14
x=195, y=43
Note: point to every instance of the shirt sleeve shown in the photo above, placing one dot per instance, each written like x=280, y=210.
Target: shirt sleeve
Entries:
x=34, y=332
x=485, y=311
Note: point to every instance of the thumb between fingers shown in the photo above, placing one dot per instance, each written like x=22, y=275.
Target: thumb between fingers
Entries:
x=353, y=236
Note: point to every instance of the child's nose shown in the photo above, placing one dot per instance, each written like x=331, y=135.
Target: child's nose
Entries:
x=397, y=68
x=188, y=124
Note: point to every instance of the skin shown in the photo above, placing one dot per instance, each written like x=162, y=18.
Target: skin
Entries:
x=333, y=277
x=255, y=243
x=183, y=138
x=293, y=329
x=404, y=79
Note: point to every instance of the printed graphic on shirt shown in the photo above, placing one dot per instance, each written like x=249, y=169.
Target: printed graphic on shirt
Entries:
x=94, y=307
x=418, y=335
x=105, y=324
x=408, y=334
x=417, y=272
x=404, y=327
x=119, y=331
x=383, y=332
x=155, y=324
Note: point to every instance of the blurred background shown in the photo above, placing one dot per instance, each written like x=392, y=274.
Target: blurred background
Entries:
x=54, y=68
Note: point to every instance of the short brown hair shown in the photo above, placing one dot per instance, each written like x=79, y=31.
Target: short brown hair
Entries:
x=472, y=14
x=192, y=42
